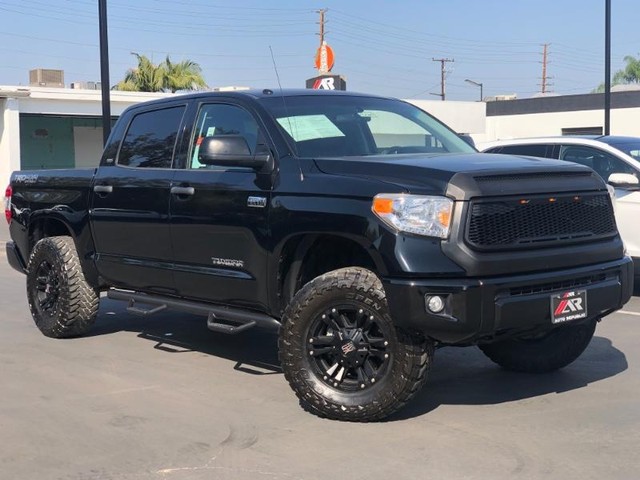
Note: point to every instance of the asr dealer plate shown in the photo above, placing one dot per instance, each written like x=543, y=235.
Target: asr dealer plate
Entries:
x=568, y=306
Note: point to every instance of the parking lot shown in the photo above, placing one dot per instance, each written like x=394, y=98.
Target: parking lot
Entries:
x=163, y=397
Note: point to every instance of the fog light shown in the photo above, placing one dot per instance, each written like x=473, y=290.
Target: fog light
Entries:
x=435, y=303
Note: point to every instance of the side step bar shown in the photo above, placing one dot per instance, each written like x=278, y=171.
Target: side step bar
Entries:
x=219, y=319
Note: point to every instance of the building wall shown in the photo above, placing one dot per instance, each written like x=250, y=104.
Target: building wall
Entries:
x=624, y=121
x=9, y=139
x=463, y=117
x=50, y=142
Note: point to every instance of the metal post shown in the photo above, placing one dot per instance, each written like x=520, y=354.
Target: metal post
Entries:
x=477, y=84
x=607, y=68
x=104, y=71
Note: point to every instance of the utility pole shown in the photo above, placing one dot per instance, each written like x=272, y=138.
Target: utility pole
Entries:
x=322, y=11
x=104, y=71
x=607, y=67
x=545, y=78
x=442, y=76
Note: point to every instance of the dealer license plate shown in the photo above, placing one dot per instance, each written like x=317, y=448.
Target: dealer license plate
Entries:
x=569, y=306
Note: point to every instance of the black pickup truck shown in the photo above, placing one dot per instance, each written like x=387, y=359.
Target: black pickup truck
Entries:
x=362, y=228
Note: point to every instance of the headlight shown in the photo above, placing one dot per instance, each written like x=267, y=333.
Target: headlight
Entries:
x=419, y=214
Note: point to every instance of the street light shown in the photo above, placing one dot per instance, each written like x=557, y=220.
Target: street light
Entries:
x=477, y=84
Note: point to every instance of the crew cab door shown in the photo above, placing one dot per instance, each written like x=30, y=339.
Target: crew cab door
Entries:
x=130, y=203
x=219, y=215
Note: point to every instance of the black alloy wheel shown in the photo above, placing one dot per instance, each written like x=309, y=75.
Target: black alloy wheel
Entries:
x=47, y=287
x=348, y=347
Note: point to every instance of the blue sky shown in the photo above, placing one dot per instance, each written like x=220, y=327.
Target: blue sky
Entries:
x=382, y=47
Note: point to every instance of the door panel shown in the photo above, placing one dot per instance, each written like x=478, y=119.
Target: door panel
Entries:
x=131, y=228
x=130, y=205
x=219, y=241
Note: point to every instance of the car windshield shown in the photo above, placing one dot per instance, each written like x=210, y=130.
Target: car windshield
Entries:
x=632, y=149
x=325, y=126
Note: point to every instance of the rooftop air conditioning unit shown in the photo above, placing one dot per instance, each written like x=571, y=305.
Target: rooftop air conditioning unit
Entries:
x=44, y=77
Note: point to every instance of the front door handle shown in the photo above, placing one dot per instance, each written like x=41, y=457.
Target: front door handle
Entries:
x=182, y=191
x=103, y=189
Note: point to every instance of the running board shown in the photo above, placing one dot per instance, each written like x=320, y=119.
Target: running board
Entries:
x=219, y=318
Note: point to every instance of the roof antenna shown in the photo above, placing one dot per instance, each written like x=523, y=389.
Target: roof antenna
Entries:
x=286, y=111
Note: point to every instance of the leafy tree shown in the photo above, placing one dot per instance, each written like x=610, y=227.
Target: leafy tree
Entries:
x=164, y=77
x=185, y=75
x=629, y=74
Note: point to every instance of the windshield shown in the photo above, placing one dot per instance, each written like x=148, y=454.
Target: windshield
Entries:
x=632, y=149
x=343, y=126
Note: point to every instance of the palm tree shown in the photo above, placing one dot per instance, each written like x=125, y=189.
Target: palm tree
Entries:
x=185, y=75
x=629, y=74
x=167, y=76
x=146, y=77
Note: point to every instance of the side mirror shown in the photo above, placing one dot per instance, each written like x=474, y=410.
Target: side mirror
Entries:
x=623, y=180
x=230, y=151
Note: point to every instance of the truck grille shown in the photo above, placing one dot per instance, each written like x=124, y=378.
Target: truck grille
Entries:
x=527, y=222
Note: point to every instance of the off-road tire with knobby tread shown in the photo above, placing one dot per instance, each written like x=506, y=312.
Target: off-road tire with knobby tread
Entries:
x=555, y=350
x=411, y=356
x=77, y=303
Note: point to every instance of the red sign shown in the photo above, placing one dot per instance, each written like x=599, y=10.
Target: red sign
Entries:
x=324, y=58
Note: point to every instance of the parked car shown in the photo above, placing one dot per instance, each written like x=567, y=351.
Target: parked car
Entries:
x=615, y=159
x=363, y=229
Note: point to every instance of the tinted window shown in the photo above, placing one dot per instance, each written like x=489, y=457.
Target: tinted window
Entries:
x=221, y=119
x=528, y=150
x=602, y=162
x=151, y=138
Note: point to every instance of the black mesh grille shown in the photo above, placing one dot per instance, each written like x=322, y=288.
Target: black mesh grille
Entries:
x=536, y=222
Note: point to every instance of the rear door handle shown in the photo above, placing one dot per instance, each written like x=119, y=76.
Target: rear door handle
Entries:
x=183, y=190
x=103, y=189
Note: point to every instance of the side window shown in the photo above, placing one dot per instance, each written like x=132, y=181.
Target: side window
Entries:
x=493, y=150
x=223, y=119
x=528, y=150
x=151, y=139
x=602, y=162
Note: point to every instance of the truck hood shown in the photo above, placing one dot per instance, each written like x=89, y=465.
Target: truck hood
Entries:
x=464, y=175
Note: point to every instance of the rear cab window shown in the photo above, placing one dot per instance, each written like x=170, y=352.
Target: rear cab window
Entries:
x=150, y=140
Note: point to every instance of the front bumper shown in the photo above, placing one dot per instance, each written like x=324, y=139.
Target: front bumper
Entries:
x=480, y=309
x=14, y=258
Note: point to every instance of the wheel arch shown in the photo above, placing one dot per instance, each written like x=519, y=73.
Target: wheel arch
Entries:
x=52, y=225
x=303, y=257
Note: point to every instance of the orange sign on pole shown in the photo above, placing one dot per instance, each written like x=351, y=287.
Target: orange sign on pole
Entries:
x=324, y=58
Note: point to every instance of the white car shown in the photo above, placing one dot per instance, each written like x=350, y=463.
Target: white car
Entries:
x=615, y=159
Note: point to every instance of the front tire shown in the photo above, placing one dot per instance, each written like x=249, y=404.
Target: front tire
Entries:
x=341, y=353
x=61, y=301
x=555, y=350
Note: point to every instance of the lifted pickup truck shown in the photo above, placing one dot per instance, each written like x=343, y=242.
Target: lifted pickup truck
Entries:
x=361, y=227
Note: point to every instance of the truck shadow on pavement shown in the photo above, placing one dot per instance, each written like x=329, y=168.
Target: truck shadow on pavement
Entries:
x=464, y=376
x=254, y=351
x=459, y=376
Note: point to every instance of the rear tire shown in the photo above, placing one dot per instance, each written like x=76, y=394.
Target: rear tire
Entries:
x=341, y=353
x=61, y=301
x=555, y=350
